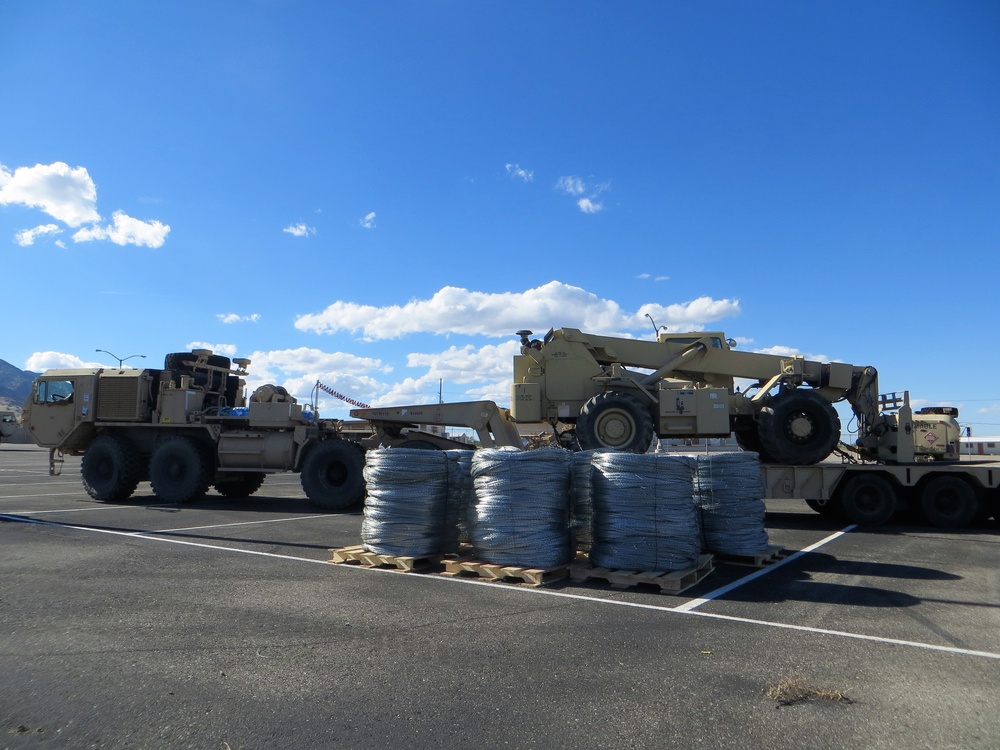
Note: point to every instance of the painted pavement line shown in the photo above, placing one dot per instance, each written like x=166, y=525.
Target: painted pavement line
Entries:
x=539, y=591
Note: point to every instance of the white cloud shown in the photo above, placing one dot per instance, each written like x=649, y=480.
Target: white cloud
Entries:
x=589, y=207
x=42, y=361
x=66, y=194
x=460, y=311
x=299, y=230
x=571, y=185
x=126, y=231
x=27, y=237
x=69, y=195
x=227, y=350
x=237, y=318
x=368, y=221
x=515, y=170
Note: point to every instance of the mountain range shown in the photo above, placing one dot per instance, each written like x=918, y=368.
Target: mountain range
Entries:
x=15, y=385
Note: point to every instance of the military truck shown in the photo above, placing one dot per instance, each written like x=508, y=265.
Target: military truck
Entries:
x=618, y=393
x=8, y=424
x=190, y=426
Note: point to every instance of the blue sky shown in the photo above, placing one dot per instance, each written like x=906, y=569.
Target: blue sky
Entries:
x=377, y=195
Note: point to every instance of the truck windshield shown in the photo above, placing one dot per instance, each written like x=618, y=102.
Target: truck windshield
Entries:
x=54, y=392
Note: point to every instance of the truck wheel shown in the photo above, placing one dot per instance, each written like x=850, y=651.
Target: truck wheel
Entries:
x=868, y=500
x=180, y=470
x=949, y=502
x=333, y=474
x=798, y=427
x=184, y=360
x=110, y=469
x=240, y=485
x=748, y=438
x=615, y=420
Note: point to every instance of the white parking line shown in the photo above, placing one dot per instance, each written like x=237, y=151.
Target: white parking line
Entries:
x=695, y=603
x=227, y=525
x=53, y=494
x=542, y=592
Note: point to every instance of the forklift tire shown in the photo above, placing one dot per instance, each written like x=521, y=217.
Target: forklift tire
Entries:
x=180, y=470
x=949, y=502
x=798, y=427
x=868, y=500
x=240, y=485
x=333, y=475
x=614, y=420
x=110, y=469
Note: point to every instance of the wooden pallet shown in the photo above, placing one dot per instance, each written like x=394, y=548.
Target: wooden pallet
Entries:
x=668, y=582
x=505, y=573
x=773, y=554
x=405, y=563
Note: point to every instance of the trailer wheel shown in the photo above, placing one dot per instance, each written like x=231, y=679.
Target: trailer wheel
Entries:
x=615, y=420
x=949, y=502
x=798, y=427
x=828, y=508
x=333, y=475
x=868, y=500
x=110, y=469
x=240, y=485
x=180, y=470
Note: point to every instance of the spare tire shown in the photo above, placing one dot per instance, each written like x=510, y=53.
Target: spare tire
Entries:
x=798, y=427
x=184, y=361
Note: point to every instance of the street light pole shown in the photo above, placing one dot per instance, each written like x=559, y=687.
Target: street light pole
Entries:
x=121, y=360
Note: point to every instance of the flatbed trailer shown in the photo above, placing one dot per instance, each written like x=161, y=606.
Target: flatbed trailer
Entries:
x=949, y=494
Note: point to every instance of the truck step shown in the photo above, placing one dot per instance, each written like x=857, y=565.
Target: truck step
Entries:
x=357, y=555
x=505, y=573
x=668, y=582
x=773, y=554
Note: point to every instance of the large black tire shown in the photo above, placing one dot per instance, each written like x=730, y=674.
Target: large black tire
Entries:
x=798, y=427
x=333, y=474
x=868, y=499
x=748, y=438
x=949, y=502
x=240, y=485
x=184, y=360
x=181, y=470
x=830, y=508
x=111, y=469
x=614, y=420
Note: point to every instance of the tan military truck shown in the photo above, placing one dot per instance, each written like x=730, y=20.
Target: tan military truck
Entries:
x=8, y=423
x=187, y=427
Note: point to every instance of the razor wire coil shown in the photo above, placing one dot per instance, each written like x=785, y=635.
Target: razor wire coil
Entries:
x=728, y=490
x=644, y=515
x=406, y=512
x=521, y=512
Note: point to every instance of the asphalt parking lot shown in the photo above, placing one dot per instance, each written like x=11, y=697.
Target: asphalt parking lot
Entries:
x=223, y=624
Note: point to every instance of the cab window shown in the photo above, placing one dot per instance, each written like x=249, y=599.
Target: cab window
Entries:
x=54, y=392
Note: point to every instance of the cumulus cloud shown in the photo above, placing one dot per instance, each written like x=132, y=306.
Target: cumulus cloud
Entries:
x=299, y=230
x=125, y=230
x=461, y=311
x=42, y=361
x=299, y=369
x=227, y=350
x=27, y=237
x=68, y=195
x=516, y=171
x=589, y=207
x=230, y=318
x=368, y=220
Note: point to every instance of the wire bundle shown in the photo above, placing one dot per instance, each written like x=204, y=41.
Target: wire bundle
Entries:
x=728, y=491
x=581, y=505
x=522, y=507
x=461, y=497
x=406, y=512
x=645, y=517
